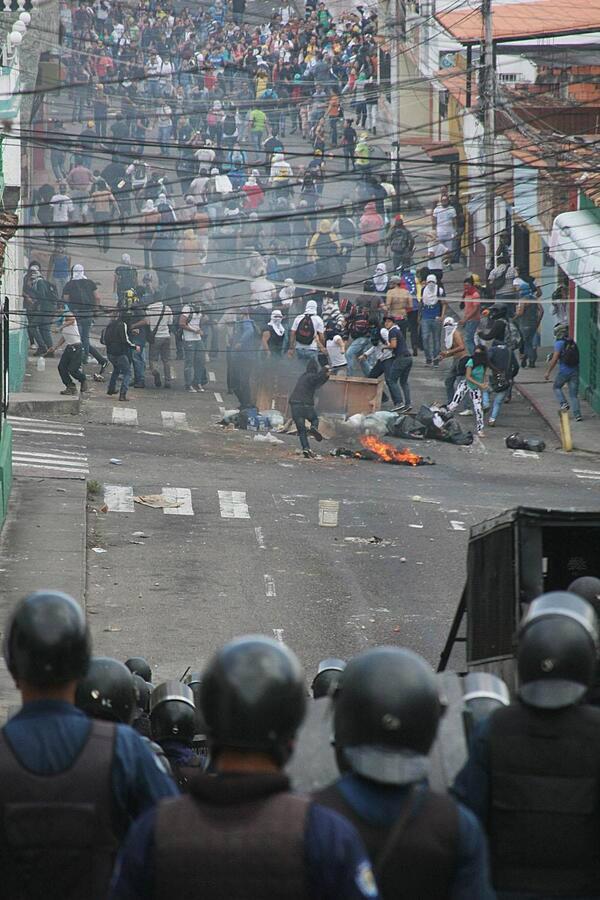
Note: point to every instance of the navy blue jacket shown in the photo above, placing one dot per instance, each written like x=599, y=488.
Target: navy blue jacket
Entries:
x=48, y=735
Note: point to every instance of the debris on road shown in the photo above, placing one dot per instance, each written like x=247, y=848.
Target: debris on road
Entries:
x=268, y=438
x=516, y=442
x=99, y=550
x=116, y=462
x=379, y=451
x=157, y=501
x=139, y=534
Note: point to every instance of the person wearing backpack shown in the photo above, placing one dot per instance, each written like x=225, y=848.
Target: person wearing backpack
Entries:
x=359, y=318
x=119, y=348
x=401, y=243
x=566, y=356
x=306, y=335
x=126, y=278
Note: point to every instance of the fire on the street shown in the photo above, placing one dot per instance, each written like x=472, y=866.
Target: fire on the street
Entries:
x=387, y=453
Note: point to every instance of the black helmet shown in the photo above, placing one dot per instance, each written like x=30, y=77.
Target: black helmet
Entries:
x=587, y=587
x=46, y=641
x=143, y=690
x=386, y=714
x=483, y=693
x=556, y=655
x=498, y=311
x=253, y=696
x=139, y=666
x=172, y=712
x=106, y=691
x=327, y=678
x=194, y=682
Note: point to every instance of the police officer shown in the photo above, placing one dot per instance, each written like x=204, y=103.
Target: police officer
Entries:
x=139, y=666
x=71, y=786
x=107, y=691
x=423, y=844
x=533, y=774
x=325, y=682
x=173, y=727
x=241, y=833
x=141, y=717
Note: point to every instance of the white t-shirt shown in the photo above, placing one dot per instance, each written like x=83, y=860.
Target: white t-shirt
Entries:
x=71, y=334
x=445, y=218
x=335, y=351
x=436, y=254
x=318, y=326
x=61, y=207
x=153, y=314
x=262, y=291
x=194, y=321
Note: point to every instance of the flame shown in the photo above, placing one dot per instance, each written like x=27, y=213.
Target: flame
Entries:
x=389, y=454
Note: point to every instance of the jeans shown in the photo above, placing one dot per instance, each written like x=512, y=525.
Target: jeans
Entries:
x=528, y=333
x=384, y=367
x=70, y=365
x=257, y=139
x=161, y=350
x=44, y=336
x=412, y=318
x=165, y=133
x=431, y=333
x=469, y=334
x=572, y=382
x=306, y=353
x=121, y=367
x=139, y=365
x=497, y=404
x=371, y=253
x=300, y=413
x=400, y=371
x=356, y=349
x=450, y=381
x=194, y=372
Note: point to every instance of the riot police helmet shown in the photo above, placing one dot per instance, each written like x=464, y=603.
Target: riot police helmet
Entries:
x=253, y=697
x=139, y=666
x=143, y=690
x=588, y=588
x=106, y=691
x=172, y=712
x=386, y=715
x=557, y=648
x=483, y=694
x=47, y=642
x=325, y=682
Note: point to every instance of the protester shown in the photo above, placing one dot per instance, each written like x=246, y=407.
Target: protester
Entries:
x=566, y=356
x=302, y=404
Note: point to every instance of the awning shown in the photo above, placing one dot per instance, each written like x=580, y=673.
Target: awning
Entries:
x=575, y=247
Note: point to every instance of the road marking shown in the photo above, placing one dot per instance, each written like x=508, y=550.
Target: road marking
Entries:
x=415, y=526
x=218, y=397
x=71, y=457
x=233, y=505
x=457, y=526
x=122, y=416
x=118, y=498
x=43, y=423
x=46, y=431
x=31, y=465
x=260, y=538
x=587, y=473
x=278, y=634
x=269, y=586
x=183, y=496
x=526, y=454
x=44, y=461
x=589, y=477
x=173, y=419
x=212, y=376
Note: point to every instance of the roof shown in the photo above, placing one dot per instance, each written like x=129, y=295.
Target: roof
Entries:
x=519, y=21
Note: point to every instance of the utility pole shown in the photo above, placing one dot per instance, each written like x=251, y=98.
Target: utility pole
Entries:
x=488, y=107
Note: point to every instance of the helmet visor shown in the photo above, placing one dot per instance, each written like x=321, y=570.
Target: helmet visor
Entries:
x=387, y=766
x=551, y=693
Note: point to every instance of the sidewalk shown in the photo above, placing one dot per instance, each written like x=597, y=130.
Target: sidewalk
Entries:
x=40, y=393
x=530, y=383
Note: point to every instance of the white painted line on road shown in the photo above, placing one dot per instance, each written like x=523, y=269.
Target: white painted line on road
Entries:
x=233, y=505
x=31, y=465
x=269, y=586
x=173, y=419
x=415, y=526
x=121, y=416
x=183, y=496
x=260, y=538
x=72, y=457
x=40, y=460
x=589, y=477
x=37, y=431
x=153, y=433
x=44, y=423
x=218, y=397
x=212, y=376
x=278, y=634
x=118, y=498
x=587, y=472
x=526, y=454
x=457, y=526
x=222, y=410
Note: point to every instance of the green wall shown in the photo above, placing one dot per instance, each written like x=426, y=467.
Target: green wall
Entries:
x=17, y=357
x=5, y=469
x=588, y=334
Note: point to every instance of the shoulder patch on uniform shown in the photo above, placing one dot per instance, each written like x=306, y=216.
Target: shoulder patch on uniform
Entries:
x=365, y=880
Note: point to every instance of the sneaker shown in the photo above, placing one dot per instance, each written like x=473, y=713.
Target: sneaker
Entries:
x=69, y=391
x=157, y=380
x=436, y=363
x=139, y=384
x=110, y=393
x=123, y=398
x=309, y=454
x=480, y=433
x=315, y=433
x=579, y=418
x=491, y=423
x=399, y=408
x=191, y=389
x=103, y=366
x=564, y=406
x=428, y=362
x=466, y=412
x=199, y=388
x=408, y=408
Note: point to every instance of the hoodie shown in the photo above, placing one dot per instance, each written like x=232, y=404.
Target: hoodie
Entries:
x=371, y=225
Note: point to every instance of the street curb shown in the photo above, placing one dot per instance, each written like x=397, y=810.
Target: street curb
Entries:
x=539, y=410
x=22, y=405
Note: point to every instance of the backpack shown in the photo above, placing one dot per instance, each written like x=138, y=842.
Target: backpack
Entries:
x=323, y=246
x=400, y=241
x=126, y=278
x=569, y=355
x=360, y=324
x=305, y=333
x=229, y=126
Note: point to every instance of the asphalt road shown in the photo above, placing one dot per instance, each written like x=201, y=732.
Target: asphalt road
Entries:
x=196, y=580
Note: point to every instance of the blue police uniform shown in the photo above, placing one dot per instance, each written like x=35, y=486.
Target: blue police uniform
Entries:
x=47, y=736
x=336, y=862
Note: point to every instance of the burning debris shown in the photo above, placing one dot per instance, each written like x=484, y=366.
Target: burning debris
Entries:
x=378, y=451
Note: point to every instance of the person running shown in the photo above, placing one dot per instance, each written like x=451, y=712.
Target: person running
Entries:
x=302, y=405
x=566, y=356
x=70, y=365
